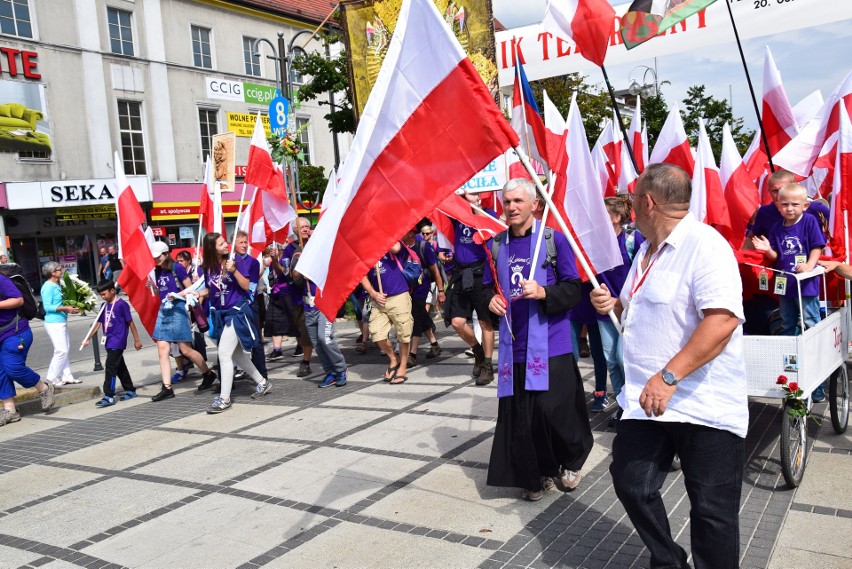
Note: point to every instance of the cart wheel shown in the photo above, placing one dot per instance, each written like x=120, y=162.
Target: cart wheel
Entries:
x=838, y=399
x=794, y=447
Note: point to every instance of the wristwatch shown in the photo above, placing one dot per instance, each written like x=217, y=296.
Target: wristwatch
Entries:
x=669, y=377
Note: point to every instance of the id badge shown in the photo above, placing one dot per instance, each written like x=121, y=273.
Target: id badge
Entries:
x=780, y=286
x=763, y=282
x=103, y=340
x=308, y=300
x=801, y=259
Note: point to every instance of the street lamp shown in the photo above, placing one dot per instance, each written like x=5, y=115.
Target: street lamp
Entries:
x=646, y=89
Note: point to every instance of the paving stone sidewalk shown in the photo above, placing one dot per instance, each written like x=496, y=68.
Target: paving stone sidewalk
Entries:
x=366, y=475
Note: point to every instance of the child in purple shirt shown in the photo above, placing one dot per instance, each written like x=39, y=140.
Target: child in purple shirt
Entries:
x=116, y=320
x=794, y=245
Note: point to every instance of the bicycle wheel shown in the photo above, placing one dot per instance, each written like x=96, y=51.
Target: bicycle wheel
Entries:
x=838, y=399
x=794, y=447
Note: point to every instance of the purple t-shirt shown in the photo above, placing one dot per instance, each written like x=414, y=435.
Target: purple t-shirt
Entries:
x=249, y=267
x=225, y=291
x=393, y=283
x=287, y=262
x=9, y=290
x=614, y=278
x=115, y=321
x=465, y=251
x=449, y=263
x=559, y=327
x=166, y=281
x=768, y=215
x=792, y=241
x=429, y=259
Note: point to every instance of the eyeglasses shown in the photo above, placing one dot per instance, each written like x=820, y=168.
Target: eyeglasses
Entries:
x=425, y=233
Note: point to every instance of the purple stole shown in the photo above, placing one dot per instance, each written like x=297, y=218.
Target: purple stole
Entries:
x=537, y=360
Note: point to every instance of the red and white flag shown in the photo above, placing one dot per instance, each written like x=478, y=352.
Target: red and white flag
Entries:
x=261, y=171
x=458, y=208
x=779, y=121
x=645, y=149
x=628, y=176
x=611, y=142
x=603, y=171
x=638, y=139
x=556, y=132
x=429, y=125
x=755, y=158
x=210, y=207
x=740, y=192
x=265, y=219
x=672, y=145
x=707, y=203
x=134, y=250
x=527, y=121
x=809, y=107
x=589, y=23
x=841, y=198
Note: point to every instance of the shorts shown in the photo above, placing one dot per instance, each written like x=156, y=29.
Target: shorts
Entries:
x=462, y=303
x=421, y=319
x=395, y=313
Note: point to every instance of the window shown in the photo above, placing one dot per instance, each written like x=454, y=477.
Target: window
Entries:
x=296, y=77
x=252, y=61
x=304, y=137
x=120, y=32
x=208, y=119
x=33, y=155
x=15, y=18
x=132, y=140
x=201, y=47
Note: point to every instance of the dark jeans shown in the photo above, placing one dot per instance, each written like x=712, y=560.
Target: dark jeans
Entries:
x=712, y=462
x=595, y=349
x=115, y=367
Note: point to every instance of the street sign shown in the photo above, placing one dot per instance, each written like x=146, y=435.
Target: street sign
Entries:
x=279, y=110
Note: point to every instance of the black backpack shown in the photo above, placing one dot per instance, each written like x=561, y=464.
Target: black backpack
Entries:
x=30, y=308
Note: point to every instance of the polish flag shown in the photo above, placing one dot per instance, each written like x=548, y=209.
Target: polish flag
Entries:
x=589, y=23
x=707, y=203
x=755, y=158
x=458, y=208
x=429, y=125
x=627, y=178
x=841, y=198
x=134, y=250
x=779, y=121
x=265, y=218
x=638, y=138
x=526, y=119
x=809, y=107
x=816, y=140
x=330, y=192
x=583, y=209
x=261, y=172
x=210, y=208
x=611, y=142
x=602, y=171
x=740, y=192
x=555, y=133
x=672, y=144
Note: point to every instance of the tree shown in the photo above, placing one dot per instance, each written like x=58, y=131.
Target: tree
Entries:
x=654, y=113
x=328, y=75
x=312, y=183
x=715, y=113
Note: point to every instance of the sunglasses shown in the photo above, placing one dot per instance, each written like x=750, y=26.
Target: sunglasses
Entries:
x=425, y=233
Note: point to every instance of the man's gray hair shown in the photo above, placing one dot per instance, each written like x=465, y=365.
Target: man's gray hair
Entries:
x=48, y=268
x=521, y=183
x=668, y=184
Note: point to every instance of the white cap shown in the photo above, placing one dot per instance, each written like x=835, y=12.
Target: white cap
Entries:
x=158, y=248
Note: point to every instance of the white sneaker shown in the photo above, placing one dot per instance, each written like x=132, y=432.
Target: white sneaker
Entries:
x=570, y=479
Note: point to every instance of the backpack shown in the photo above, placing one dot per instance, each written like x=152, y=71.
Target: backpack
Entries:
x=549, y=243
x=31, y=308
x=411, y=269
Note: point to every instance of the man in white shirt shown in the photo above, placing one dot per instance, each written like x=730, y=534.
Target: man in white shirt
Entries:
x=685, y=381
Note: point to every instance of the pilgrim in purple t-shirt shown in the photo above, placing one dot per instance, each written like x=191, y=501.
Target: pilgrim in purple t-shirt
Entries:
x=166, y=281
x=9, y=290
x=393, y=283
x=615, y=277
x=287, y=262
x=465, y=250
x=115, y=321
x=768, y=215
x=794, y=244
x=428, y=259
x=225, y=291
x=559, y=327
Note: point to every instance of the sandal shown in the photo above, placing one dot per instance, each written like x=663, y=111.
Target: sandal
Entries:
x=401, y=378
x=392, y=372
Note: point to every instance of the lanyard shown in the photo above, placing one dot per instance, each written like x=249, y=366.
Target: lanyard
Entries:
x=108, y=316
x=638, y=285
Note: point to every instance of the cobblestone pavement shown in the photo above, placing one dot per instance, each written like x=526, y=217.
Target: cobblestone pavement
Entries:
x=367, y=475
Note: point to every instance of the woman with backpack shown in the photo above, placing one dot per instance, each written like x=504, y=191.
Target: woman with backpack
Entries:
x=56, y=324
x=15, y=341
x=173, y=320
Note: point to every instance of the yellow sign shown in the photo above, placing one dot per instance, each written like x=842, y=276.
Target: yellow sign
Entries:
x=242, y=124
x=369, y=24
x=85, y=212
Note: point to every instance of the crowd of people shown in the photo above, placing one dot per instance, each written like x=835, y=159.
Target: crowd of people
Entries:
x=675, y=362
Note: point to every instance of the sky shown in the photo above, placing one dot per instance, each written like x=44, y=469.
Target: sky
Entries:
x=808, y=59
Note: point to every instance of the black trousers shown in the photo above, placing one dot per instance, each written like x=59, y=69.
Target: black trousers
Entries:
x=115, y=367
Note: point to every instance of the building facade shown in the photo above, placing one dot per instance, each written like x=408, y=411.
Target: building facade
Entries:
x=150, y=79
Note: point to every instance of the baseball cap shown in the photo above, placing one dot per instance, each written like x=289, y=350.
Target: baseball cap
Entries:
x=158, y=248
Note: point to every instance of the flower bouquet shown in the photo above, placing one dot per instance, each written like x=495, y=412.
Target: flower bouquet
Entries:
x=288, y=146
x=77, y=293
x=796, y=405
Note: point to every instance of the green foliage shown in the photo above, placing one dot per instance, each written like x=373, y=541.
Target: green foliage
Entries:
x=715, y=112
x=328, y=74
x=312, y=182
x=654, y=113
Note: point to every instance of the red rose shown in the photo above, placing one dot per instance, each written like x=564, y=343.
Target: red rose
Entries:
x=782, y=380
x=794, y=387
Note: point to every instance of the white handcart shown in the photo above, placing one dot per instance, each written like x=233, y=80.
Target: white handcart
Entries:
x=810, y=358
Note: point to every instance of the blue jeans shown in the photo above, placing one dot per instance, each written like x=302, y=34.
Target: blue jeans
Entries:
x=611, y=343
x=13, y=364
x=595, y=348
x=788, y=306
x=712, y=462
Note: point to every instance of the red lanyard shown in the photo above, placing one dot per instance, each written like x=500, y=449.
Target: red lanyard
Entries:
x=637, y=286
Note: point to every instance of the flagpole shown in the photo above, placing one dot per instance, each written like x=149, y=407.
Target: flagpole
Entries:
x=239, y=213
x=293, y=196
x=624, y=133
x=521, y=93
x=198, y=240
x=92, y=327
x=751, y=90
x=574, y=247
x=540, y=235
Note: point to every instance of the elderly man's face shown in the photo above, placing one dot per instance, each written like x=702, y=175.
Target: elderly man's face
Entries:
x=112, y=248
x=304, y=229
x=518, y=207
